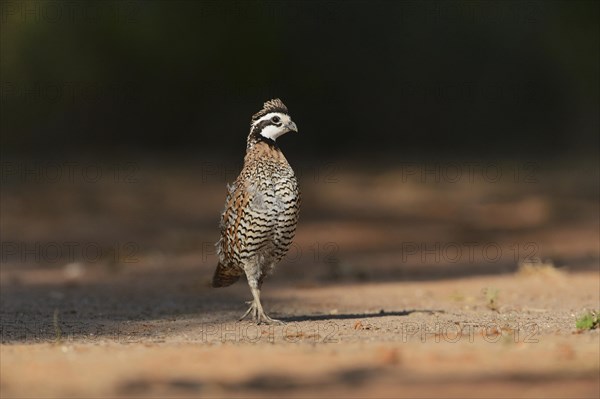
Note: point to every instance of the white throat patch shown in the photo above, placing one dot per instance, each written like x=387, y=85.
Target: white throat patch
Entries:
x=273, y=131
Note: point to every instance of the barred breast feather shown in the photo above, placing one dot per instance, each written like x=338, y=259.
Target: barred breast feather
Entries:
x=259, y=221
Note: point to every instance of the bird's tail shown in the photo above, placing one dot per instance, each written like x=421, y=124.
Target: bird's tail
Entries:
x=224, y=276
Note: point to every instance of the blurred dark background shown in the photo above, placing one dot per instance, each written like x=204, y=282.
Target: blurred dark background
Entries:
x=367, y=79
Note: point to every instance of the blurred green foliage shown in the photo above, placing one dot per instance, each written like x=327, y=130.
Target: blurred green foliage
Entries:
x=588, y=321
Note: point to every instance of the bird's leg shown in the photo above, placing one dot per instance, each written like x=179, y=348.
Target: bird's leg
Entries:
x=259, y=309
x=258, y=313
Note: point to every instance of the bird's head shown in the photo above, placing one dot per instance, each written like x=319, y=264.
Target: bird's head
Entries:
x=271, y=122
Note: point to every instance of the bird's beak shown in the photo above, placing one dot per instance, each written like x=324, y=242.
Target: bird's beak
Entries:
x=292, y=127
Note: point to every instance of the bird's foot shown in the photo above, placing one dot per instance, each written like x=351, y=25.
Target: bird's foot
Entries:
x=252, y=309
x=258, y=315
x=268, y=320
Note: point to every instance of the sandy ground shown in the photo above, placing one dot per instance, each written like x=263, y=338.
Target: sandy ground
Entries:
x=380, y=340
x=395, y=288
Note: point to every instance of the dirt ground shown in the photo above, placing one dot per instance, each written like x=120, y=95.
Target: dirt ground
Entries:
x=396, y=287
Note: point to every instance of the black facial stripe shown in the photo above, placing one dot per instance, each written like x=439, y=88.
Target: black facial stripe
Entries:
x=262, y=124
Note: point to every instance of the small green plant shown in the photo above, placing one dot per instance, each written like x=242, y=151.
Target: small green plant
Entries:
x=589, y=321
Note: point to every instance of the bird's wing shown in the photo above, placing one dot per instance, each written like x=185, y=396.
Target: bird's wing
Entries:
x=236, y=205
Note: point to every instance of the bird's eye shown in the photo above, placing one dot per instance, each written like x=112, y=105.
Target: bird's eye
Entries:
x=275, y=119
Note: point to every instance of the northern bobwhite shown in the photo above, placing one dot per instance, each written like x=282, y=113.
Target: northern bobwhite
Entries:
x=261, y=209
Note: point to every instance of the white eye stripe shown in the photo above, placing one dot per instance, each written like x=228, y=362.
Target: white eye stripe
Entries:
x=269, y=116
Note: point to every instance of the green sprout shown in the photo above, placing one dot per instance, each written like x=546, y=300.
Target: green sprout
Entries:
x=588, y=321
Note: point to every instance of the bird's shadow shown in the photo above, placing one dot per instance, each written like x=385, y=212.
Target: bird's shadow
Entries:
x=346, y=316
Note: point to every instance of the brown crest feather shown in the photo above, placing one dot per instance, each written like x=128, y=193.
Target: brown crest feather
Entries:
x=274, y=105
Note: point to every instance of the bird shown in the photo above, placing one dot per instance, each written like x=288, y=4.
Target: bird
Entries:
x=261, y=211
